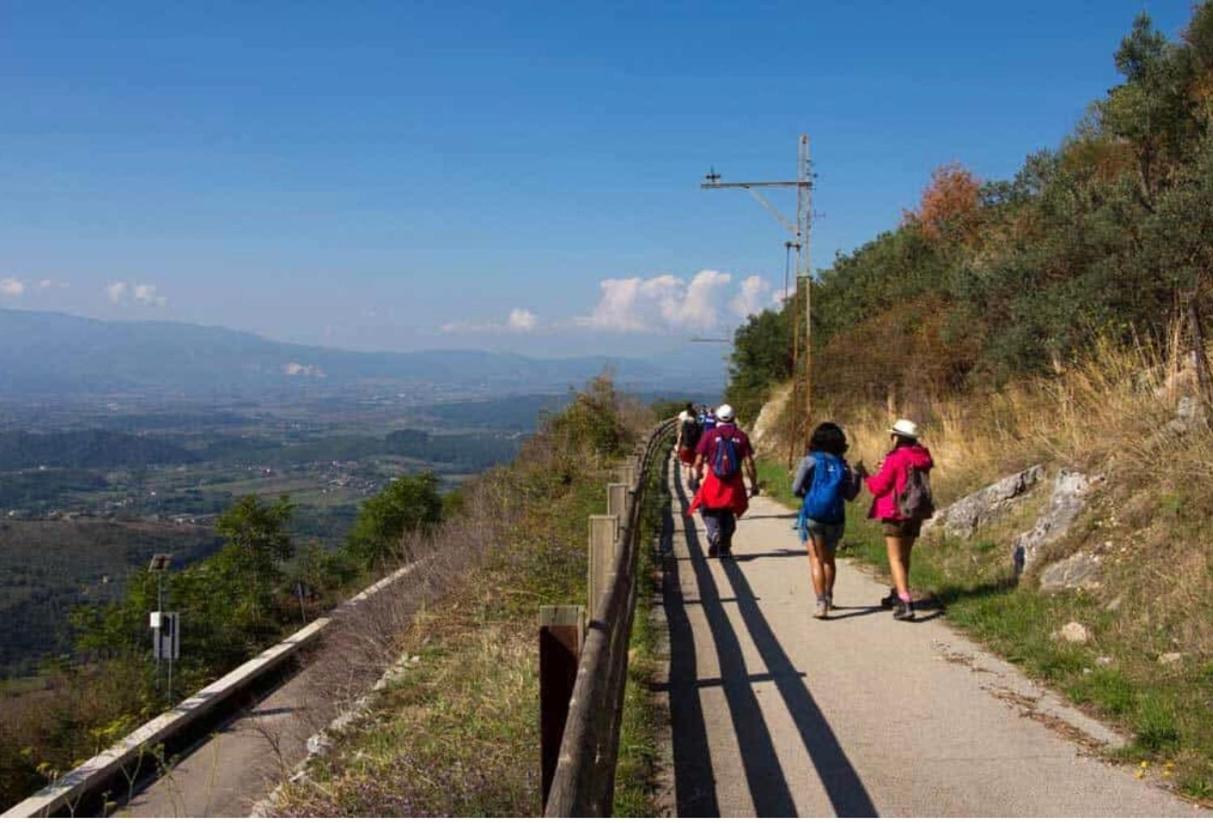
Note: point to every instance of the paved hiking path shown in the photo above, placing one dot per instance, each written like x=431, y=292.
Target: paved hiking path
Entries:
x=228, y=772
x=775, y=713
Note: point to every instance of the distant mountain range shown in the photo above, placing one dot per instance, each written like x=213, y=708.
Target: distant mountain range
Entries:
x=46, y=353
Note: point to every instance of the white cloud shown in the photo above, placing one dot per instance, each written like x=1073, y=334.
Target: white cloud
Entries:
x=752, y=297
x=11, y=287
x=116, y=291
x=522, y=320
x=664, y=303
x=144, y=294
x=519, y=320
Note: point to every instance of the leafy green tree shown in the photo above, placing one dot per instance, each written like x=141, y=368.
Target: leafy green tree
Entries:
x=408, y=504
x=258, y=542
x=762, y=356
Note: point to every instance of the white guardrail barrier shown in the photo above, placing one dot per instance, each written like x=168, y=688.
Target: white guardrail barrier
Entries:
x=104, y=767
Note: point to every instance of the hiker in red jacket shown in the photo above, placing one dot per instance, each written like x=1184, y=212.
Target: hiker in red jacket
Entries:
x=901, y=502
x=723, y=451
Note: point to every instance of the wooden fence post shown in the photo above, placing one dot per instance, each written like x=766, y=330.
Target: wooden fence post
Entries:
x=561, y=629
x=626, y=472
x=603, y=529
x=619, y=497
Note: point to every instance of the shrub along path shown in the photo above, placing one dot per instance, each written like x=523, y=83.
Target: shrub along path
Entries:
x=775, y=713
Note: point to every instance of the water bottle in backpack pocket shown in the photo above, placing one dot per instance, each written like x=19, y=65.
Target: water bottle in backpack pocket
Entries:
x=824, y=501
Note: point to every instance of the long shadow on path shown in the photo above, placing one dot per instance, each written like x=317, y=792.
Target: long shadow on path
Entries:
x=767, y=784
x=694, y=781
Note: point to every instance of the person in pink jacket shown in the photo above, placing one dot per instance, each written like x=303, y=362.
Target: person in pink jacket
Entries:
x=900, y=531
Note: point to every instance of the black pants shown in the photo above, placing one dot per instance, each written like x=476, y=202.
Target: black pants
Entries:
x=721, y=523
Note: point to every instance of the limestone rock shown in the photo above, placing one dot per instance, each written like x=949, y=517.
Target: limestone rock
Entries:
x=1170, y=658
x=1073, y=632
x=1078, y=571
x=964, y=516
x=1103, y=661
x=763, y=432
x=1189, y=415
x=1069, y=498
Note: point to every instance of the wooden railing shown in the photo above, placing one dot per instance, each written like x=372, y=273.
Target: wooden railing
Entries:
x=583, y=671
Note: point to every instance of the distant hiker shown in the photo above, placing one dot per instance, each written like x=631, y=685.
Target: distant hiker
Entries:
x=902, y=491
x=825, y=481
x=708, y=420
x=723, y=452
x=689, y=432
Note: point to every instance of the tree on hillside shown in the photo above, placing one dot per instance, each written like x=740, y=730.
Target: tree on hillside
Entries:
x=1153, y=109
x=408, y=504
x=258, y=541
x=762, y=356
x=951, y=205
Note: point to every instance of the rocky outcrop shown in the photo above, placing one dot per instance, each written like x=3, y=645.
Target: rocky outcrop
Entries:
x=1073, y=632
x=765, y=432
x=1078, y=571
x=1189, y=416
x=1068, y=500
x=963, y=517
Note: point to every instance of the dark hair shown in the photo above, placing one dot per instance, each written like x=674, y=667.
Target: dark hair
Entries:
x=691, y=409
x=902, y=440
x=828, y=437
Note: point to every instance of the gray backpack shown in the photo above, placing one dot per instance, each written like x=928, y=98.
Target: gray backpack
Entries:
x=915, y=501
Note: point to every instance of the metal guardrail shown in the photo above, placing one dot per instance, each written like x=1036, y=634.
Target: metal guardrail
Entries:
x=583, y=782
x=95, y=773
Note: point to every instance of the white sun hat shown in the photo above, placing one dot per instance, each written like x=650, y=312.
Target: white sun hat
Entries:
x=724, y=413
x=905, y=428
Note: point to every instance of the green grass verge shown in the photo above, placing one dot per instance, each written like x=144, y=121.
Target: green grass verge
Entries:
x=636, y=771
x=1167, y=709
x=457, y=734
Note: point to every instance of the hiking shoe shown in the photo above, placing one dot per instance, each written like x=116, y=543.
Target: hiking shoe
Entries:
x=822, y=609
x=890, y=601
x=903, y=611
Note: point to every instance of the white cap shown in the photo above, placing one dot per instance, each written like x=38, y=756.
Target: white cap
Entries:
x=905, y=428
x=724, y=412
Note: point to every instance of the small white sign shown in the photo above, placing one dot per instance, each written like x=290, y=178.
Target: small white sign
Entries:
x=166, y=635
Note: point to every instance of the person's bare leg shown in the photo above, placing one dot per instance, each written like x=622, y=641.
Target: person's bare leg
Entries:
x=829, y=572
x=897, y=567
x=814, y=548
x=907, y=543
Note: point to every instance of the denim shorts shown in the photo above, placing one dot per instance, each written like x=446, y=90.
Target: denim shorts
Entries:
x=830, y=533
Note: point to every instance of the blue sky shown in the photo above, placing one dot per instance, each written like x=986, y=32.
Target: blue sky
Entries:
x=390, y=175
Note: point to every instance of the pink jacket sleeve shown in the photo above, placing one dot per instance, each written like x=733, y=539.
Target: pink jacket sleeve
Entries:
x=885, y=480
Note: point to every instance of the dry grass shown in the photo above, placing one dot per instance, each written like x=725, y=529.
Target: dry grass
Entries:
x=1113, y=414
x=457, y=733
x=1108, y=413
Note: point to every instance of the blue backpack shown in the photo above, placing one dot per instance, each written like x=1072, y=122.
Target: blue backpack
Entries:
x=824, y=502
x=724, y=461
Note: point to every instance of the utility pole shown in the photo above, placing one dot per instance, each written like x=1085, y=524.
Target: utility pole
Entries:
x=799, y=230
